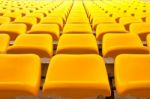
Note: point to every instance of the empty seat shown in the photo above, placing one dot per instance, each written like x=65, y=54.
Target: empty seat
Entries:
x=102, y=29
x=102, y=20
x=126, y=21
x=148, y=40
x=140, y=14
x=77, y=20
x=52, y=29
x=4, y=43
x=38, y=15
x=141, y=29
x=56, y=14
x=74, y=13
x=13, y=29
x=76, y=76
x=132, y=75
x=148, y=19
x=115, y=44
x=4, y=20
x=20, y=75
x=3, y=11
x=13, y=15
x=29, y=21
x=95, y=15
x=53, y=20
x=129, y=20
x=77, y=44
x=77, y=28
x=40, y=44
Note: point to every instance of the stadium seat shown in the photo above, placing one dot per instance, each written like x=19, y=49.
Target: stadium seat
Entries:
x=24, y=11
x=126, y=21
x=102, y=20
x=140, y=14
x=40, y=44
x=60, y=14
x=53, y=20
x=74, y=28
x=37, y=15
x=29, y=21
x=13, y=30
x=94, y=15
x=77, y=20
x=4, y=43
x=77, y=44
x=148, y=19
x=141, y=29
x=102, y=29
x=75, y=13
x=132, y=75
x=20, y=75
x=115, y=44
x=2, y=11
x=52, y=29
x=77, y=28
x=4, y=20
x=12, y=15
x=148, y=40
x=65, y=77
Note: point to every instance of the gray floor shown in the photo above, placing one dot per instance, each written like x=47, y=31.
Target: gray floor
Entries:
x=42, y=97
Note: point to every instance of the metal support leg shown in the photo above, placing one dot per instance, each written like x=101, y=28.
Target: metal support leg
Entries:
x=98, y=97
x=112, y=89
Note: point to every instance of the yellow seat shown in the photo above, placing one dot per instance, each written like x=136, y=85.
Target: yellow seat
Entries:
x=148, y=40
x=40, y=44
x=77, y=14
x=4, y=20
x=115, y=44
x=140, y=14
x=13, y=30
x=13, y=15
x=45, y=10
x=148, y=20
x=3, y=11
x=96, y=14
x=53, y=20
x=76, y=76
x=77, y=44
x=102, y=20
x=24, y=11
x=141, y=29
x=132, y=75
x=52, y=29
x=77, y=20
x=126, y=21
x=20, y=75
x=29, y=21
x=38, y=15
x=102, y=29
x=4, y=43
x=58, y=14
x=77, y=28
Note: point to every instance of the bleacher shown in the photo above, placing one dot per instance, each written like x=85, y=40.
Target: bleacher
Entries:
x=74, y=49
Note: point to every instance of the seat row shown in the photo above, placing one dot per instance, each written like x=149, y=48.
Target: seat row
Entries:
x=60, y=9
x=54, y=29
x=72, y=19
x=39, y=12
x=62, y=12
x=113, y=44
x=82, y=75
x=117, y=9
